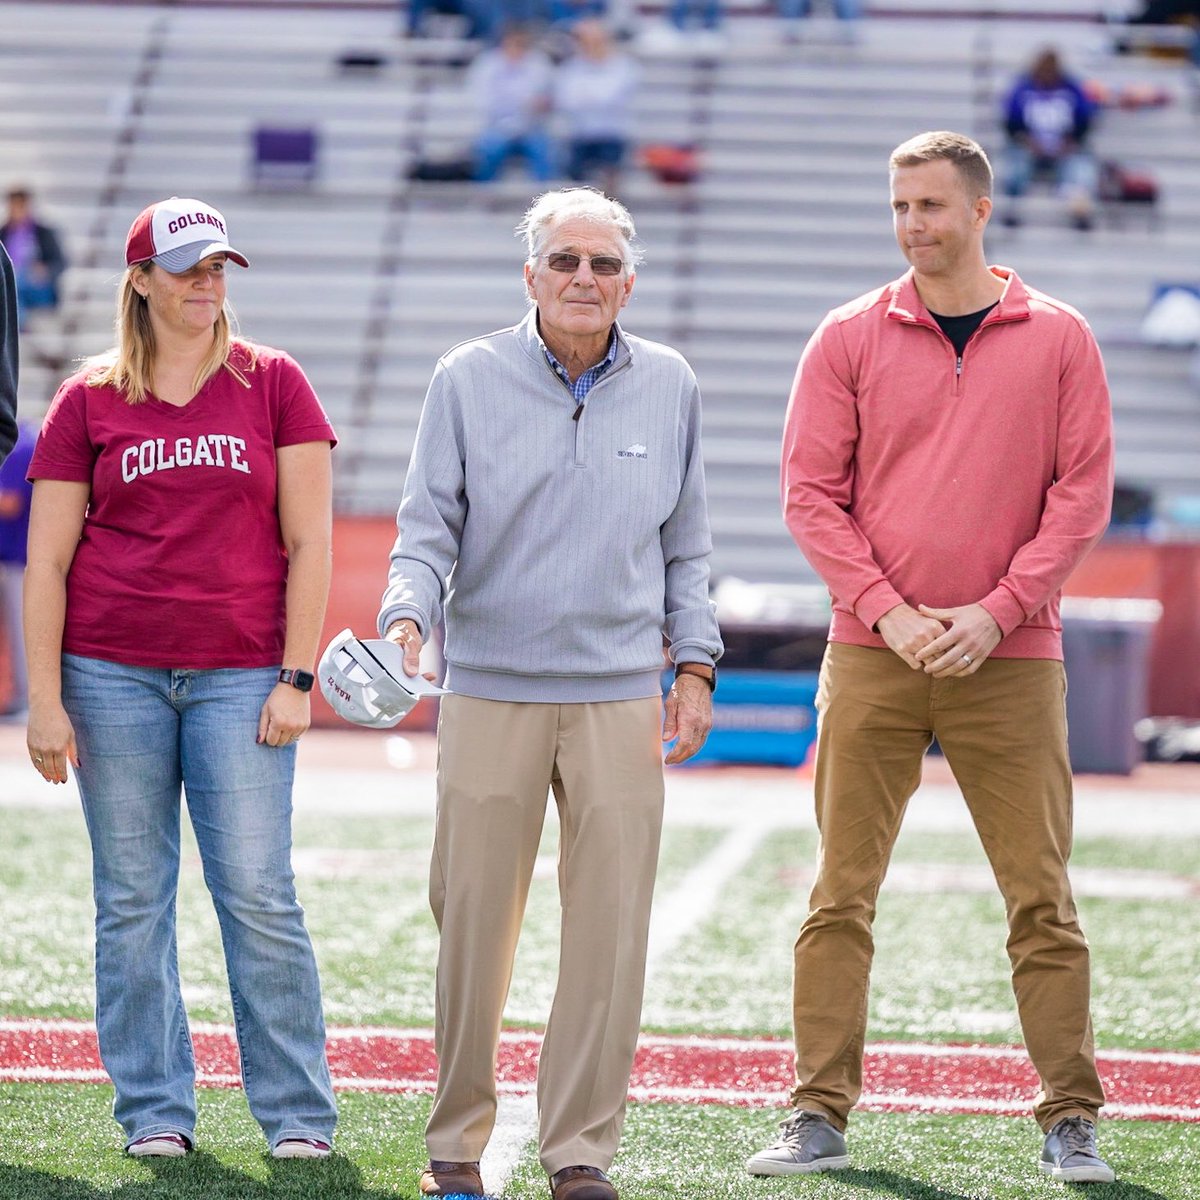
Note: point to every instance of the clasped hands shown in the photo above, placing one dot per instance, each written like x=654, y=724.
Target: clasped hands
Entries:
x=942, y=642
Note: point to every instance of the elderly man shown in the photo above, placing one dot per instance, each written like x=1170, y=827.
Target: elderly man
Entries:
x=557, y=474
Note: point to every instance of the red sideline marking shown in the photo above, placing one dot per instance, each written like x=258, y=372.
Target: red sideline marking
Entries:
x=900, y=1077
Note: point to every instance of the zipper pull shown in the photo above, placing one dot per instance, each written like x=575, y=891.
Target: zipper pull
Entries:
x=958, y=366
x=578, y=413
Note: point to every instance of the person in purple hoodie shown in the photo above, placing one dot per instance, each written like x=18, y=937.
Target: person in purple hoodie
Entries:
x=1048, y=117
x=15, y=494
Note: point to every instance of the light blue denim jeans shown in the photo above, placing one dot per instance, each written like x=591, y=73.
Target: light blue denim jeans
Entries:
x=845, y=10
x=143, y=733
x=493, y=150
x=705, y=13
x=1076, y=175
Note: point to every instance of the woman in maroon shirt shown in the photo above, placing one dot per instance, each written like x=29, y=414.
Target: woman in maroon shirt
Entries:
x=179, y=556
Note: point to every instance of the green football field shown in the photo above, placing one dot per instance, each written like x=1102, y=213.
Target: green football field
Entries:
x=737, y=862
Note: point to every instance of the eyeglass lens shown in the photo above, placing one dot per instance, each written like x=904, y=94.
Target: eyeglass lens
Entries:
x=601, y=265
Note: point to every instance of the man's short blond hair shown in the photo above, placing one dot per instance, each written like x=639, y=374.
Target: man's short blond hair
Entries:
x=965, y=153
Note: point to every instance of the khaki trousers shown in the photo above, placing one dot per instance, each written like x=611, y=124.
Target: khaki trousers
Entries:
x=1003, y=732
x=497, y=763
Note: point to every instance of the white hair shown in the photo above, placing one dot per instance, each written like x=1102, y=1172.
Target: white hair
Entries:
x=578, y=203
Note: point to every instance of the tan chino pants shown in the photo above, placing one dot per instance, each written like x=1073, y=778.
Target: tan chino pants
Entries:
x=497, y=763
x=1003, y=732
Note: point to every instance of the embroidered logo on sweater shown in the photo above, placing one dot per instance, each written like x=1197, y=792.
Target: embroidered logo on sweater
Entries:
x=637, y=450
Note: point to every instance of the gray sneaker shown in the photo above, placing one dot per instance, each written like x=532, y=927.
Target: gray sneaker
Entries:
x=808, y=1143
x=1070, y=1153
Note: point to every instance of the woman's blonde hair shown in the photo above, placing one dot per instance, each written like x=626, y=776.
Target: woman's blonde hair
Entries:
x=129, y=365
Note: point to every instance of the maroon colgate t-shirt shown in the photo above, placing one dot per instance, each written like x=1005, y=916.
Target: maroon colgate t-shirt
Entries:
x=181, y=562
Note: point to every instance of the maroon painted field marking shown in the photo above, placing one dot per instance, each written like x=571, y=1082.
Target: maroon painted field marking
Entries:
x=899, y=1077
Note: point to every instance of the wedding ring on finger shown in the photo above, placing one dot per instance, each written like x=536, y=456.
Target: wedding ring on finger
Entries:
x=967, y=659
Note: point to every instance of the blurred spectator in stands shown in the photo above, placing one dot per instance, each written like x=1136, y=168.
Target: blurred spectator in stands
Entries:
x=793, y=12
x=623, y=18
x=1166, y=12
x=1048, y=117
x=568, y=13
x=687, y=15
x=594, y=92
x=1182, y=15
x=511, y=85
x=15, y=493
x=36, y=253
x=477, y=15
x=8, y=354
x=564, y=16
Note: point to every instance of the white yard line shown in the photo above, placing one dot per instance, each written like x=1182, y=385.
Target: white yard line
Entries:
x=673, y=917
x=697, y=894
x=516, y=1127
x=699, y=796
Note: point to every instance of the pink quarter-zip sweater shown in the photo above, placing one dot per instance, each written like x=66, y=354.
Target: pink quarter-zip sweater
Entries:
x=912, y=475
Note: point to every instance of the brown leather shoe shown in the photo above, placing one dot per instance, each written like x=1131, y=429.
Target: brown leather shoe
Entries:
x=451, y=1179
x=581, y=1183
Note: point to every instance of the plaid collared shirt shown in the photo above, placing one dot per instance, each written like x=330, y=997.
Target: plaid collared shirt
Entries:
x=583, y=385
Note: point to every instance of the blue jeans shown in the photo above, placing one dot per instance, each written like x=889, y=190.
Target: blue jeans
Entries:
x=493, y=150
x=143, y=732
x=845, y=10
x=31, y=295
x=590, y=155
x=707, y=13
x=1077, y=175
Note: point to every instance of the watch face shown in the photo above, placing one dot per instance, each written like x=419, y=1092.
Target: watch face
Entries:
x=301, y=680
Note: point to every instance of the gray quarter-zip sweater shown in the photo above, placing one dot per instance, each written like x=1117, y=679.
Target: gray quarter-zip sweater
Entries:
x=564, y=548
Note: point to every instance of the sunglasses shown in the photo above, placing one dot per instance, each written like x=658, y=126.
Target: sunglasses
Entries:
x=602, y=264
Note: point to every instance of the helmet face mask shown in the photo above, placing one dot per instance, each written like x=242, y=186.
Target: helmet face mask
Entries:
x=366, y=684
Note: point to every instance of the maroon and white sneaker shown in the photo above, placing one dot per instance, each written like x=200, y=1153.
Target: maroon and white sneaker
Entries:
x=301, y=1148
x=159, y=1145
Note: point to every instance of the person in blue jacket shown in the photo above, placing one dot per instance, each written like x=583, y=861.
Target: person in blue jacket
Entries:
x=1048, y=118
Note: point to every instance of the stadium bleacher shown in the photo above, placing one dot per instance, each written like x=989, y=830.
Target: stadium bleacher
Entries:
x=367, y=276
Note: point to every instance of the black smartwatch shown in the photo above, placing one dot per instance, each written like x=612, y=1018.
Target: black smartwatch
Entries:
x=302, y=681
x=702, y=673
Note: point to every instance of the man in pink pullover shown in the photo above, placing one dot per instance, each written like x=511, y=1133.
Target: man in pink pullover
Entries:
x=947, y=462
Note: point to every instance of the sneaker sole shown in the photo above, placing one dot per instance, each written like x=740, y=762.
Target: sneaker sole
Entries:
x=157, y=1150
x=299, y=1151
x=1099, y=1174
x=769, y=1167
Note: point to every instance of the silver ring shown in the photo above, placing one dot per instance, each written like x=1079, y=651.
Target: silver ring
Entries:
x=38, y=760
x=967, y=659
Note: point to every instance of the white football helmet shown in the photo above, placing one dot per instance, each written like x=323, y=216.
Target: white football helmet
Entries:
x=365, y=681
